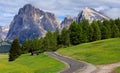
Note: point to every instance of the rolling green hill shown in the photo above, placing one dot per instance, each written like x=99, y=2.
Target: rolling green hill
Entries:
x=117, y=70
x=98, y=52
x=30, y=64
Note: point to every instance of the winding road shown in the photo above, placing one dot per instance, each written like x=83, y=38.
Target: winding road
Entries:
x=73, y=66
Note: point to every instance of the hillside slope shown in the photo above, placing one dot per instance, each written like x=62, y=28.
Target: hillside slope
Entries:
x=98, y=52
x=30, y=64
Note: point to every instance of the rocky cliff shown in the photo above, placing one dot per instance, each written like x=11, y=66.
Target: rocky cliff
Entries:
x=31, y=22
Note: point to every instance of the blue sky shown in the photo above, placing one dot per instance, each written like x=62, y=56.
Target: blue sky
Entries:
x=61, y=8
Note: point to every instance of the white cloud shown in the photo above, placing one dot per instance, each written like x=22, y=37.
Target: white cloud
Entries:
x=61, y=8
x=101, y=8
x=113, y=12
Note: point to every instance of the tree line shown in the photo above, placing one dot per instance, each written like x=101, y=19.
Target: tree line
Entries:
x=77, y=33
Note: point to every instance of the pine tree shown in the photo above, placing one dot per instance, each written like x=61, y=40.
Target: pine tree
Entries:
x=15, y=50
x=49, y=41
x=36, y=44
x=85, y=31
x=115, y=31
x=27, y=46
x=103, y=29
x=57, y=38
x=90, y=33
x=117, y=22
x=106, y=23
x=96, y=31
x=75, y=31
x=65, y=39
x=104, y=32
x=41, y=45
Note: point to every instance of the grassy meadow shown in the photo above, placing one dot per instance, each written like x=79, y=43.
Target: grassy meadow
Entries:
x=30, y=64
x=98, y=52
x=117, y=70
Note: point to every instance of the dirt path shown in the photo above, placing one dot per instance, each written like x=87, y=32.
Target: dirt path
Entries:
x=73, y=66
x=107, y=68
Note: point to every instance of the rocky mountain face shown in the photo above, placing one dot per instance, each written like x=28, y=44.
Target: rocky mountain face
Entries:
x=87, y=13
x=30, y=22
x=3, y=32
x=91, y=15
x=66, y=22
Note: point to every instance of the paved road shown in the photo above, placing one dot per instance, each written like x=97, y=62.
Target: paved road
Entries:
x=73, y=66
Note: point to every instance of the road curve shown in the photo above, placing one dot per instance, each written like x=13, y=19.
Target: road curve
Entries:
x=73, y=66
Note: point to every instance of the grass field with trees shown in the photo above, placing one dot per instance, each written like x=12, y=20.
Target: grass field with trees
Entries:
x=98, y=52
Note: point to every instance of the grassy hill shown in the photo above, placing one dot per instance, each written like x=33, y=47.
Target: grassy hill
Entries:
x=98, y=52
x=117, y=70
x=30, y=64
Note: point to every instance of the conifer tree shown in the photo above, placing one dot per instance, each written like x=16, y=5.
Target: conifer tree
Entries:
x=85, y=31
x=65, y=39
x=26, y=46
x=75, y=31
x=49, y=41
x=106, y=23
x=117, y=22
x=103, y=29
x=115, y=31
x=96, y=31
x=57, y=38
x=90, y=33
x=15, y=50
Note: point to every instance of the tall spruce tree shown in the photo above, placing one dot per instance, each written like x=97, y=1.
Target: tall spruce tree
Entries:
x=49, y=41
x=26, y=46
x=75, y=31
x=104, y=30
x=106, y=23
x=90, y=33
x=96, y=31
x=65, y=39
x=15, y=50
x=115, y=31
x=57, y=38
x=36, y=44
x=117, y=22
x=85, y=31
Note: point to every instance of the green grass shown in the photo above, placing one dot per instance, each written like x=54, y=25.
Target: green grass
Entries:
x=117, y=70
x=30, y=64
x=98, y=52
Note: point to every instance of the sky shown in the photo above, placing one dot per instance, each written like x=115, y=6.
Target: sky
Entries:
x=61, y=8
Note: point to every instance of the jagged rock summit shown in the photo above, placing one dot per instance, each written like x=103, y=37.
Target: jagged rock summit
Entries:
x=91, y=15
x=87, y=13
x=30, y=22
x=66, y=22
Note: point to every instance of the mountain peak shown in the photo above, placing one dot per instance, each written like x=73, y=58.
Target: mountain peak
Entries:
x=31, y=22
x=68, y=17
x=27, y=5
x=26, y=9
x=91, y=14
x=86, y=8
